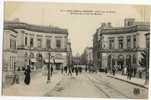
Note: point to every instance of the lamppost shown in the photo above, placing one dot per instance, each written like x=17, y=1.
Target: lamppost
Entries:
x=50, y=67
x=48, y=77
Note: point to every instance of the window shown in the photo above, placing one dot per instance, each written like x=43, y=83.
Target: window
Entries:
x=25, y=41
x=31, y=55
x=31, y=42
x=128, y=41
x=48, y=43
x=111, y=43
x=121, y=43
x=134, y=41
x=39, y=43
x=134, y=59
x=12, y=44
x=58, y=43
x=128, y=60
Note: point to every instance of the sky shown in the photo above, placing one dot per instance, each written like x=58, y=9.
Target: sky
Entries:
x=80, y=27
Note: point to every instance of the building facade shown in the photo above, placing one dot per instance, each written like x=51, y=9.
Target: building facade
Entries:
x=88, y=52
x=26, y=44
x=120, y=46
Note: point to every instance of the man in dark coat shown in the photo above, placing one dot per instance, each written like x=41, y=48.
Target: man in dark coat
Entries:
x=76, y=71
x=27, y=75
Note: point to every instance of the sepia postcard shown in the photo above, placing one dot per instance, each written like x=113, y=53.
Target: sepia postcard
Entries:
x=76, y=50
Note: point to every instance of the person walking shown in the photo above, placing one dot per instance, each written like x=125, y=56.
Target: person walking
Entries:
x=70, y=73
x=113, y=69
x=65, y=68
x=135, y=71
x=51, y=70
x=76, y=71
x=27, y=75
x=129, y=69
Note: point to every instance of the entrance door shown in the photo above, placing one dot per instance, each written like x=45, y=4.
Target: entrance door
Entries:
x=120, y=62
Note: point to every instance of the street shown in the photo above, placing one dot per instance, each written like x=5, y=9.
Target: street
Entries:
x=95, y=86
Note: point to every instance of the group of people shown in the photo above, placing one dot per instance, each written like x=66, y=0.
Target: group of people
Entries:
x=71, y=69
x=128, y=70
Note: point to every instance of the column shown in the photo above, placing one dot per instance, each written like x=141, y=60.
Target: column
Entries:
x=125, y=42
x=116, y=42
x=132, y=42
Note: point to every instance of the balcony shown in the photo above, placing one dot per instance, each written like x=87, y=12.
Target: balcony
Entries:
x=11, y=50
x=119, y=50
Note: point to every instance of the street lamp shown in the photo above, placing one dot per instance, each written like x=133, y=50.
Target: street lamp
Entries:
x=48, y=77
x=50, y=67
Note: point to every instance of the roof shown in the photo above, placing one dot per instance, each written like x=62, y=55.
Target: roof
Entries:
x=31, y=27
x=140, y=26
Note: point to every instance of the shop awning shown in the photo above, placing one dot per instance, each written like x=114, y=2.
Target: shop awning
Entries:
x=56, y=61
x=47, y=61
x=33, y=60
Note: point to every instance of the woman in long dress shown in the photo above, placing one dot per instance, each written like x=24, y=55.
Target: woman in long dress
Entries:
x=27, y=75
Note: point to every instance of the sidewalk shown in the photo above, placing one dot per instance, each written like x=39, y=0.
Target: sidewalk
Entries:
x=37, y=87
x=134, y=81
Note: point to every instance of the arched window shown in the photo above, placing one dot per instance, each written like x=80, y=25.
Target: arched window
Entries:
x=31, y=55
x=109, y=60
x=120, y=59
x=134, y=59
x=128, y=59
x=39, y=56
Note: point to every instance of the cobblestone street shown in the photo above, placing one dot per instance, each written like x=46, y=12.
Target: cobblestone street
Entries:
x=95, y=85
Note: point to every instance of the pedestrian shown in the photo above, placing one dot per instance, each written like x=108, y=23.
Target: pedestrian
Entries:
x=113, y=69
x=51, y=70
x=140, y=72
x=72, y=69
x=76, y=70
x=125, y=70
x=70, y=73
x=85, y=68
x=106, y=70
x=129, y=72
x=27, y=75
x=135, y=71
x=65, y=68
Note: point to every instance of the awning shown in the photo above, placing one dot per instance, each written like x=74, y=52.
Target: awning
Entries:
x=33, y=60
x=47, y=61
x=56, y=61
x=59, y=61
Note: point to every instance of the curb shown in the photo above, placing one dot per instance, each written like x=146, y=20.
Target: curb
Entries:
x=140, y=85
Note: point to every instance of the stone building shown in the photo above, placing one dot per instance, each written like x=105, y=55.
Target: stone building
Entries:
x=88, y=52
x=30, y=44
x=120, y=46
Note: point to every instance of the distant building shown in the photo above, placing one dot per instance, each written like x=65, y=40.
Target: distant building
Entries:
x=88, y=52
x=69, y=55
x=30, y=44
x=120, y=46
